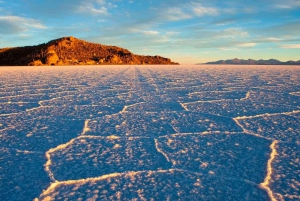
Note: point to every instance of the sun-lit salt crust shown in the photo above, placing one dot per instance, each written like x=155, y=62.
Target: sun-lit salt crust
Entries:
x=50, y=191
x=265, y=184
x=158, y=87
x=128, y=106
x=267, y=114
x=86, y=127
x=161, y=151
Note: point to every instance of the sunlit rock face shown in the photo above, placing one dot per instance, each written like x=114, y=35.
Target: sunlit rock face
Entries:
x=149, y=133
x=72, y=51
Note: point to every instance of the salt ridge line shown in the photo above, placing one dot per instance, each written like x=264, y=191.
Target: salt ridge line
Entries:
x=9, y=114
x=49, y=100
x=199, y=92
x=57, y=184
x=296, y=93
x=265, y=184
x=247, y=96
x=210, y=101
x=16, y=102
x=23, y=151
x=36, y=108
x=53, y=186
x=184, y=106
x=161, y=151
x=86, y=127
x=248, y=131
x=223, y=99
x=267, y=114
x=202, y=133
x=20, y=95
x=128, y=106
x=280, y=104
x=111, y=137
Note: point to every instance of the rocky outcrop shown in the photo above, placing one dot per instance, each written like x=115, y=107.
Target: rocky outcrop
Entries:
x=51, y=58
x=73, y=51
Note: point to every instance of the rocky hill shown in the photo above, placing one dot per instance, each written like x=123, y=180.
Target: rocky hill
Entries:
x=254, y=62
x=73, y=51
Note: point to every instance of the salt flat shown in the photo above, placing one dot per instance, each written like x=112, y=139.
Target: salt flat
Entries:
x=150, y=133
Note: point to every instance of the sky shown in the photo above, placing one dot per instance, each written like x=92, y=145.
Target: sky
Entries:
x=185, y=31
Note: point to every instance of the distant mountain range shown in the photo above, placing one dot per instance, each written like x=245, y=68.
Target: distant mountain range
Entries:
x=73, y=51
x=254, y=62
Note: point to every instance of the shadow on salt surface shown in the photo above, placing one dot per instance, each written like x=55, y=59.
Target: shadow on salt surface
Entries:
x=38, y=133
x=92, y=97
x=235, y=108
x=155, y=185
x=285, y=182
x=76, y=111
x=189, y=122
x=22, y=175
x=238, y=156
x=281, y=127
x=154, y=124
x=12, y=107
x=89, y=156
x=131, y=124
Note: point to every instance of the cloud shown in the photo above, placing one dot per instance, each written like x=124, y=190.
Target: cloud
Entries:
x=288, y=4
x=291, y=46
x=188, y=11
x=235, y=33
x=199, y=10
x=273, y=39
x=151, y=32
x=172, y=33
x=229, y=49
x=283, y=6
x=91, y=8
x=175, y=14
x=16, y=24
x=62, y=10
x=246, y=44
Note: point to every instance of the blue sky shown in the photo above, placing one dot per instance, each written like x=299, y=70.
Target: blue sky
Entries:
x=186, y=31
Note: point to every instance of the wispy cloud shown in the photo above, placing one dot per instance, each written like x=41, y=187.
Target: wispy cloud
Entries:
x=200, y=10
x=235, y=33
x=246, y=44
x=150, y=32
x=272, y=39
x=229, y=49
x=188, y=11
x=175, y=14
x=282, y=6
x=288, y=4
x=290, y=46
x=92, y=8
x=16, y=24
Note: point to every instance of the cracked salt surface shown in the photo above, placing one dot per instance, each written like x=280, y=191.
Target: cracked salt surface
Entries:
x=150, y=133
